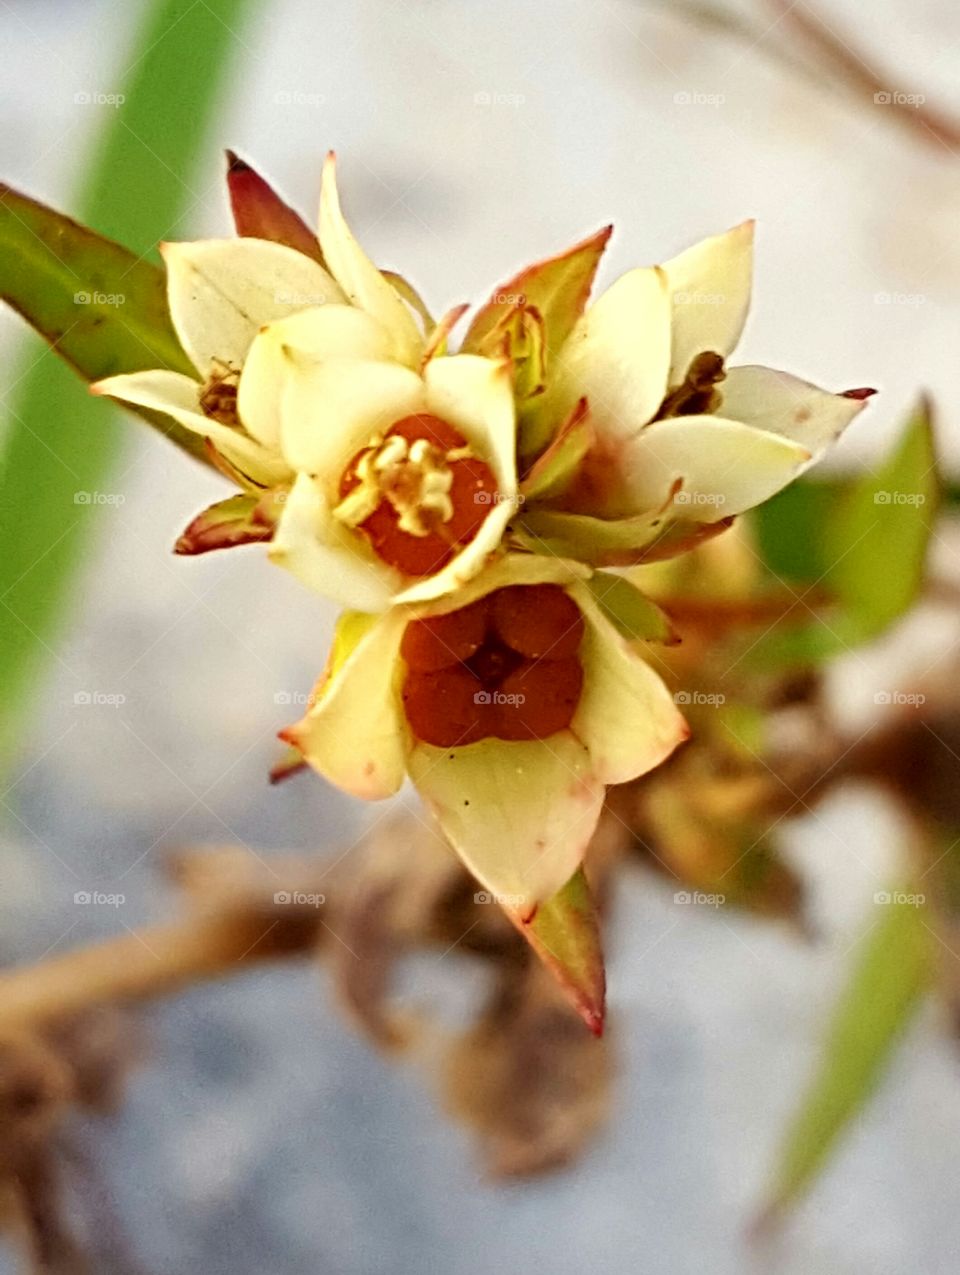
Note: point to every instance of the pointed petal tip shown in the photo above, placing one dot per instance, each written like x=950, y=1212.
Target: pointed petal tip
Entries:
x=235, y=164
x=860, y=395
x=284, y=770
x=765, y=1223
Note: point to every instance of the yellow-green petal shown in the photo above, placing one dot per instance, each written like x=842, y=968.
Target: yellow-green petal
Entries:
x=360, y=279
x=355, y=735
x=626, y=716
x=519, y=814
x=617, y=357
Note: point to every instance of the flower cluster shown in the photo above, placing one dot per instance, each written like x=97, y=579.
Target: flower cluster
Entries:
x=471, y=511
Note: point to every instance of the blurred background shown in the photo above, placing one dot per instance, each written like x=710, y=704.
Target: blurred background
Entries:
x=260, y=1134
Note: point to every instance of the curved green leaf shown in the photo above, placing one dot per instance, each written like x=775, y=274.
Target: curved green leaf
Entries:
x=891, y=971
x=102, y=308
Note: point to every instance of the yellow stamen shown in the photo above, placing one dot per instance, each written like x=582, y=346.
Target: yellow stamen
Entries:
x=414, y=476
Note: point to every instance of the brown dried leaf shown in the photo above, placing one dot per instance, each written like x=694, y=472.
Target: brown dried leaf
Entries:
x=531, y=1082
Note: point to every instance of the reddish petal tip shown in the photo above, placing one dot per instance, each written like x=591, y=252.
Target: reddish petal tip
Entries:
x=860, y=395
x=284, y=770
x=235, y=164
x=594, y=1021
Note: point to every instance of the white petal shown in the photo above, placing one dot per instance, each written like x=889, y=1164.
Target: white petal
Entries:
x=520, y=815
x=474, y=395
x=325, y=555
x=786, y=405
x=356, y=736
x=617, y=356
x=511, y=569
x=710, y=289
x=222, y=291
x=724, y=467
x=179, y=396
x=332, y=409
x=359, y=277
x=324, y=332
x=626, y=716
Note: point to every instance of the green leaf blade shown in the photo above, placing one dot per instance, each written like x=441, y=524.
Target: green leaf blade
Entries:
x=891, y=971
x=60, y=443
x=863, y=541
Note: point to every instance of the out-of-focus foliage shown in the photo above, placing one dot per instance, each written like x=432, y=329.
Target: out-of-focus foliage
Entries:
x=862, y=541
x=55, y=429
x=890, y=973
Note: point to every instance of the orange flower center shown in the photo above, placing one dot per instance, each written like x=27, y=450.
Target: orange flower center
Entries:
x=417, y=493
x=506, y=666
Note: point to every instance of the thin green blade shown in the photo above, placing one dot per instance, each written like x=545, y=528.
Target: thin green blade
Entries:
x=58, y=442
x=891, y=971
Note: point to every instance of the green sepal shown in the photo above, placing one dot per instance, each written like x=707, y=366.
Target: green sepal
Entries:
x=632, y=613
x=565, y=934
